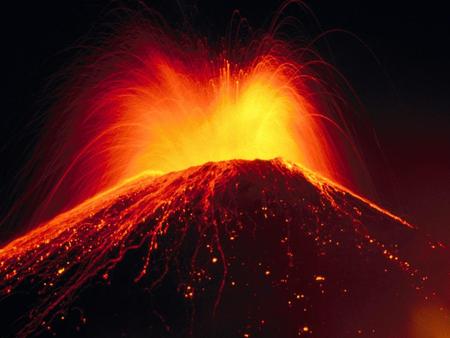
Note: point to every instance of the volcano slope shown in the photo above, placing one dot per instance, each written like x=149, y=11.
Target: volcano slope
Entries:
x=227, y=249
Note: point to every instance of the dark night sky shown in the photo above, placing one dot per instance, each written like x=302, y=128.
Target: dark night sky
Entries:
x=407, y=98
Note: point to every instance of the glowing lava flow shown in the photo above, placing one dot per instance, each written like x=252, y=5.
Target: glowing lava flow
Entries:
x=205, y=214
x=145, y=102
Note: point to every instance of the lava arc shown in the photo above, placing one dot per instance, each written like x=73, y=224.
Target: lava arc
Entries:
x=251, y=247
x=149, y=98
x=185, y=190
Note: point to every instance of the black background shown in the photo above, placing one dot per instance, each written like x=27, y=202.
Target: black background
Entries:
x=407, y=96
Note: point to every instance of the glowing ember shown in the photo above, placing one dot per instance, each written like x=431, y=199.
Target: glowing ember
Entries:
x=191, y=246
x=182, y=222
x=157, y=100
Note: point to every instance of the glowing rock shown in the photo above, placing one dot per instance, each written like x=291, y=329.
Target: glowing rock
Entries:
x=227, y=249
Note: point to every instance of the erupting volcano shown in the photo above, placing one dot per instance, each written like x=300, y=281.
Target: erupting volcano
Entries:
x=190, y=193
x=229, y=249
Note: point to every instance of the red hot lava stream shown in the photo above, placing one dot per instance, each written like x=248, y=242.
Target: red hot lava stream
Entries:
x=148, y=103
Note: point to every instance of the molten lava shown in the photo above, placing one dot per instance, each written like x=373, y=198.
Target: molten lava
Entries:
x=197, y=245
x=187, y=119
x=150, y=99
x=164, y=224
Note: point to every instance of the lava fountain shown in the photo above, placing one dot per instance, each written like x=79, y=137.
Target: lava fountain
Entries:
x=124, y=169
x=151, y=98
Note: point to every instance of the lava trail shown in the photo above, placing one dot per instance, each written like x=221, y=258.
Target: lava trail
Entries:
x=147, y=97
x=227, y=249
x=156, y=206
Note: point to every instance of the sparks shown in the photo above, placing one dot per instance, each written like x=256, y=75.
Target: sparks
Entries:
x=153, y=100
x=160, y=131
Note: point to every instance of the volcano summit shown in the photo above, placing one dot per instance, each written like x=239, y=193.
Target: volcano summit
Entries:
x=226, y=249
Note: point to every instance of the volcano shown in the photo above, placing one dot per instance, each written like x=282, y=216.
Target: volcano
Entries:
x=226, y=249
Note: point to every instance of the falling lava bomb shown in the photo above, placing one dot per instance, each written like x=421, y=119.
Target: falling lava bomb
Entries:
x=226, y=249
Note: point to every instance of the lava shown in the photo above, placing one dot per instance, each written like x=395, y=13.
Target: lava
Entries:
x=151, y=98
x=197, y=223
x=157, y=202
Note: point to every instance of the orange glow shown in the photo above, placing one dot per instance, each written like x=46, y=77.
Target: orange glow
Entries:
x=431, y=321
x=254, y=113
x=324, y=184
x=157, y=105
x=126, y=164
x=87, y=236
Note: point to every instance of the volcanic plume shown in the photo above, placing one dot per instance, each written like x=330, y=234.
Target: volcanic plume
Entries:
x=156, y=206
x=144, y=96
x=227, y=249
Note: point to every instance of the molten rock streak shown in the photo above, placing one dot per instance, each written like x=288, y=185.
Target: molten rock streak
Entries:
x=152, y=99
x=237, y=248
x=240, y=248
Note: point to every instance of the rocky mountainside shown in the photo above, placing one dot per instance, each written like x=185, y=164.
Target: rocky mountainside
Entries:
x=227, y=249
